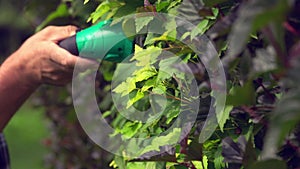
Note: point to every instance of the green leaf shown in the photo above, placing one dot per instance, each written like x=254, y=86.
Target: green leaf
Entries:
x=250, y=156
x=138, y=96
x=200, y=29
x=144, y=57
x=155, y=165
x=272, y=163
x=171, y=111
x=125, y=87
x=201, y=164
x=173, y=4
x=170, y=139
x=86, y=1
x=162, y=5
x=159, y=89
x=144, y=73
x=61, y=11
x=219, y=159
x=167, y=69
x=224, y=116
x=102, y=9
x=149, y=84
x=120, y=162
x=241, y=95
x=106, y=9
x=141, y=22
x=135, y=165
x=222, y=113
x=130, y=128
x=124, y=10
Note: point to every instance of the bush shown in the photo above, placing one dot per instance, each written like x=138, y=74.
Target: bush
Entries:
x=258, y=44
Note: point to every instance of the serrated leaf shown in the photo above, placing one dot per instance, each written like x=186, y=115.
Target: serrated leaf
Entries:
x=149, y=84
x=125, y=87
x=222, y=113
x=130, y=129
x=144, y=73
x=141, y=22
x=224, y=116
x=138, y=96
x=159, y=89
x=102, y=9
x=169, y=139
x=167, y=69
x=200, y=29
x=146, y=56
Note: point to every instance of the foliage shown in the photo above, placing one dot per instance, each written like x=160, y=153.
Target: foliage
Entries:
x=258, y=43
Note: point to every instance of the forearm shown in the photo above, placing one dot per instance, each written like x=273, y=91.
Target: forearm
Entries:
x=15, y=87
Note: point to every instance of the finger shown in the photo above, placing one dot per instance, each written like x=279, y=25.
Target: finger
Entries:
x=55, y=74
x=57, y=33
x=66, y=59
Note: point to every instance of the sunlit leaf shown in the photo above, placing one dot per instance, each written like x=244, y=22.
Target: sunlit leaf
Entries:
x=125, y=87
x=86, y=1
x=171, y=138
x=138, y=96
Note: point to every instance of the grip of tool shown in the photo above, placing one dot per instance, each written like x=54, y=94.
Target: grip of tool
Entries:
x=70, y=45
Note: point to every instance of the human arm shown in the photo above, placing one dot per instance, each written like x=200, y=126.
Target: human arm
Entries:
x=38, y=61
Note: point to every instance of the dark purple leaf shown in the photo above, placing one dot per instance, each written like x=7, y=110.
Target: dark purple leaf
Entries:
x=233, y=152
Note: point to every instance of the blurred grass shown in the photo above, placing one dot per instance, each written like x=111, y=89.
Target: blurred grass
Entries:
x=24, y=135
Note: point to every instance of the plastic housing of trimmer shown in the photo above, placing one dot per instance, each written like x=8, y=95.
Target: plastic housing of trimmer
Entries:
x=103, y=41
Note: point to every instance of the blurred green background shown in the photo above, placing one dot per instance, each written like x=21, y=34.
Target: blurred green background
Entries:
x=25, y=134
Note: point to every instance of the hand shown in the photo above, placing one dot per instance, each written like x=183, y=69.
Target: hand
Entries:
x=38, y=61
x=42, y=61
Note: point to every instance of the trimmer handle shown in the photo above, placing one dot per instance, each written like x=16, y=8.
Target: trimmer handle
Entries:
x=70, y=45
x=101, y=41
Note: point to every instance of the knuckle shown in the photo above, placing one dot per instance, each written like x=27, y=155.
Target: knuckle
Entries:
x=49, y=28
x=70, y=29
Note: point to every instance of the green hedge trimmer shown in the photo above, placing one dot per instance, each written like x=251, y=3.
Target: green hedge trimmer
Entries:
x=101, y=41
